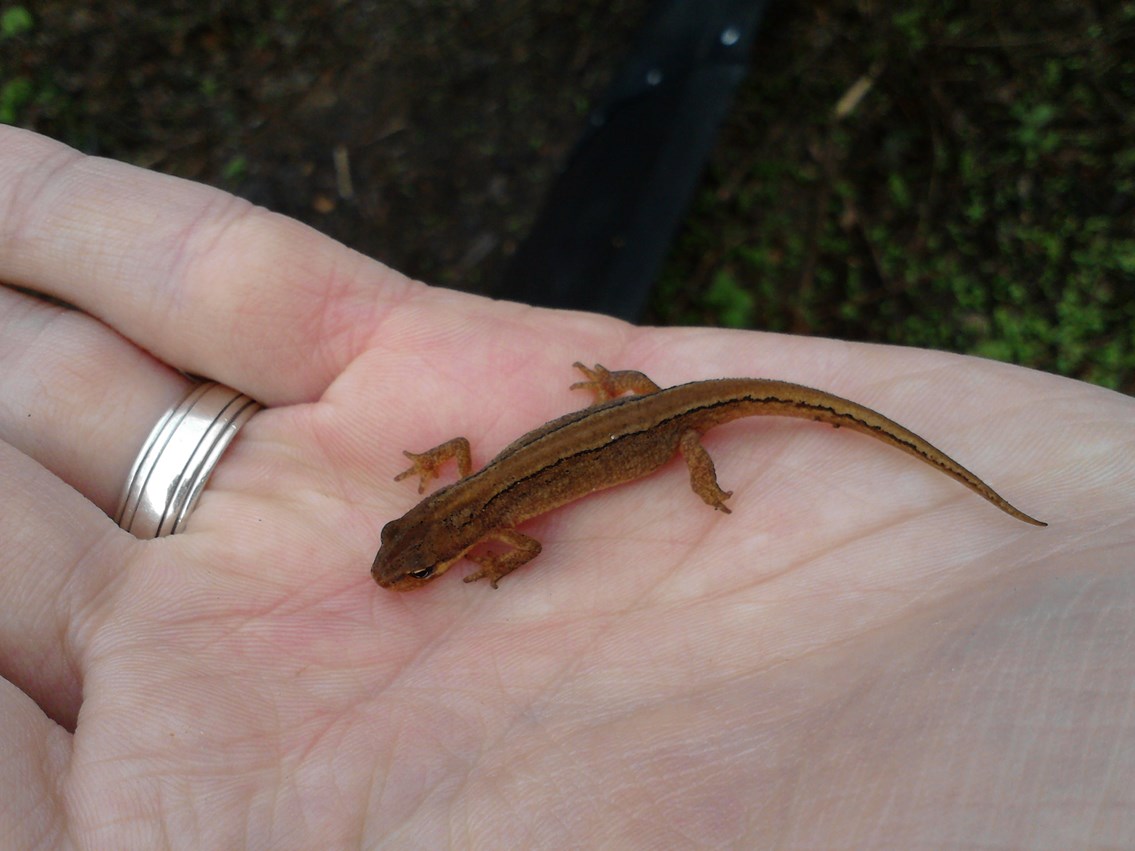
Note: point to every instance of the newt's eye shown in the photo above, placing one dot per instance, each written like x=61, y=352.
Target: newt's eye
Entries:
x=424, y=573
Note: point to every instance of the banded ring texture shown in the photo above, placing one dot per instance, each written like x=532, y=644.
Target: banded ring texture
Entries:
x=178, y=457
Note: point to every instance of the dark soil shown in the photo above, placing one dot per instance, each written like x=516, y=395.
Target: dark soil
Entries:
x=447, y=119
x=979, y=196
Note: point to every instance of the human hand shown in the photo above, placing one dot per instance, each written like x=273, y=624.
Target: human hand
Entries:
x=863, y=654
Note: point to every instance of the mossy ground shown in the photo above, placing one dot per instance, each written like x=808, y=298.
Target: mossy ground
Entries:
x=950, y=175
x=957, y=175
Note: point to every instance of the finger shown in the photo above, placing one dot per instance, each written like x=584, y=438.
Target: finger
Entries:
x=58, y=549
x=34, y=753
x=75, y=396
x=205, y=281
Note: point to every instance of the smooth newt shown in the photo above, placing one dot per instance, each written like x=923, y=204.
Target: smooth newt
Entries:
x=616, y=440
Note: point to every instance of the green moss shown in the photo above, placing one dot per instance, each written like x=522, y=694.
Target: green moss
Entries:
x=980, y=198
x=15, y=21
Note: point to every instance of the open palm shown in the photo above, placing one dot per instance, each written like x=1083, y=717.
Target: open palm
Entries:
x=863, y=654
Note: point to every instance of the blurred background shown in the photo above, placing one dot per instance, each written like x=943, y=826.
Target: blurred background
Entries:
x=954, y=175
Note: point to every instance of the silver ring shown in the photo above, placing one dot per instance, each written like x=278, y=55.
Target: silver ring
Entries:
x=178, y=457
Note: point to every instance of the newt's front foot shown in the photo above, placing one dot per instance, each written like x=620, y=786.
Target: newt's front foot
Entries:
x=427, y=464
x=605, y=385
x=496, y=567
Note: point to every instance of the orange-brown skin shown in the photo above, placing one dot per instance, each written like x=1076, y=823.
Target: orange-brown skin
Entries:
x=615, y=440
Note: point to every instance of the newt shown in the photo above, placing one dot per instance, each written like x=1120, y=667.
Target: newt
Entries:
x=617, y=439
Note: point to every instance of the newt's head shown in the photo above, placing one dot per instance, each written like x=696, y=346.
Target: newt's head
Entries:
x=410, y=554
